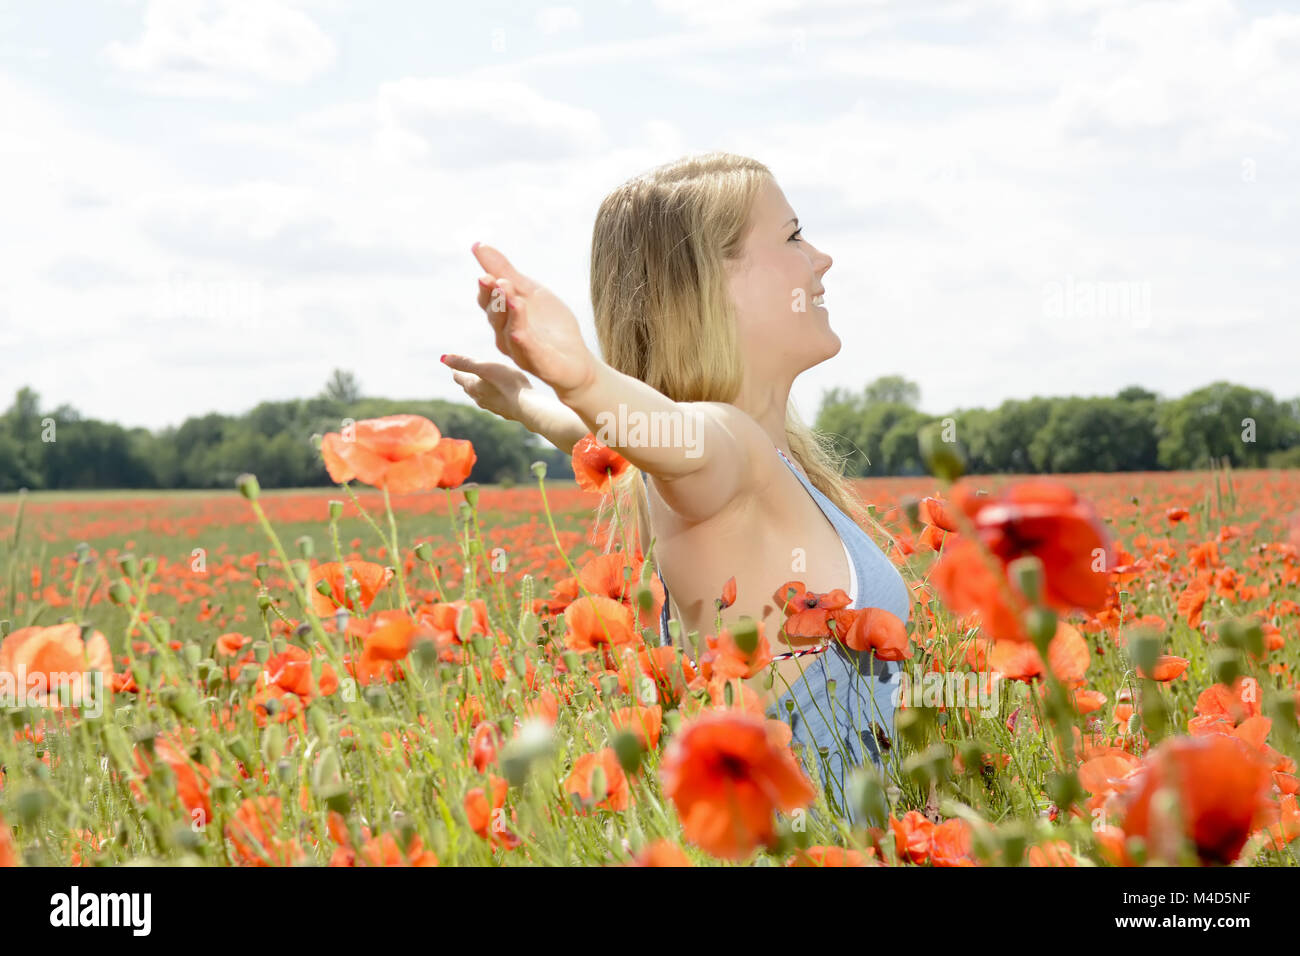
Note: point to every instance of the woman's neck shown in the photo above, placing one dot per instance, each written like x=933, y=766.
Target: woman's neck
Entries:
x=768, y=405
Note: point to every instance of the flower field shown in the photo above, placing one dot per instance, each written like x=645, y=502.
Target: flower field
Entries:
x=409, y=670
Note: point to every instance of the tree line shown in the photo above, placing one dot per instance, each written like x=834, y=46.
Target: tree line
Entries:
x=874, y=430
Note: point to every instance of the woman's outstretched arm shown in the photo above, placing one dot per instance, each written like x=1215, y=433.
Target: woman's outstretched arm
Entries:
x=506, y=391
x=702, y=453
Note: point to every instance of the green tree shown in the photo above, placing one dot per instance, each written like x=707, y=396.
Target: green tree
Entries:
x=342, y=387
x=1246, y=425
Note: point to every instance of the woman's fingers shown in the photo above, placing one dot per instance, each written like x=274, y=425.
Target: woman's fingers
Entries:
x=498, y=266
x=461, y=363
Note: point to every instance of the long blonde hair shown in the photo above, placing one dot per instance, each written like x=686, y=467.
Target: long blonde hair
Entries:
x=664, y=314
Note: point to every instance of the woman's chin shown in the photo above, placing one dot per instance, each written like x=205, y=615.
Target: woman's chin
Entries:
x=834, y=346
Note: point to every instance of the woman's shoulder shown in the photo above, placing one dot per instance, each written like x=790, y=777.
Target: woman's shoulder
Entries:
x=755, y=451
x=748, y=454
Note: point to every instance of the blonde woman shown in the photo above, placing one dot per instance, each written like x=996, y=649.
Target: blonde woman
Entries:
x=708, y=302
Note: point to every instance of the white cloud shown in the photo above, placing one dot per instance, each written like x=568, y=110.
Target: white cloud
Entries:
x=1196, y=68
x=464, y=121
x=552, y=20
x=222, y=48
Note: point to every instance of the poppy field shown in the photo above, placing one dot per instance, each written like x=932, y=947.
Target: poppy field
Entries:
x=407, y=669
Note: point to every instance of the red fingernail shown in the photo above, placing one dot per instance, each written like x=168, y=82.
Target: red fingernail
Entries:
x=474, y=247
x=442, y=358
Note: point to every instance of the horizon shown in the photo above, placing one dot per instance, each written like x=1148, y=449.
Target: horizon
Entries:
x=809, y=413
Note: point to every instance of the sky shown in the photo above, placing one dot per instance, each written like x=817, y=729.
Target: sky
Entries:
x=211, y=204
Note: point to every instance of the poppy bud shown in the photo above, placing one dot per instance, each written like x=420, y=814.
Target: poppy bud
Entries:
x=337, y=797
x=1014, y=843
x=539, y=469
x=149, y=564
x=119, y=593
x=471, y=495
x=336, y=509
x=306, y=547
x=464, y=622
x=911, y=506
x=248, y=486
x=1064, y=789
x=273, y=742
x=180, y=701
x=534, y=741
x=263, y=601
x=423, y=551
x=260, y=570
x=1041, y=624
x=326, y=771
x=944, y=458
x=1282, y=709
x=130, y=567
x=425, y=653
x=31, y=804
x=1244, y=635
x=261, y=651
x=598, y=784
x=1144, y=650
x=645, y=598
x=745, y=634
x=1225, y=666
x=867, y=794
x=1155, y=712
x=320, y=722
x=1027, y=575
x=323, y=587
x=627, y=747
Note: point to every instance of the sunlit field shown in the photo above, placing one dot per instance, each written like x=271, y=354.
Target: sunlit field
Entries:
x=496, y=694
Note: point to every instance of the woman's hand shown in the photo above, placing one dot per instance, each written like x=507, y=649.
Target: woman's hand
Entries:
x=493, y=386
x=533, y=327
x=506, y=391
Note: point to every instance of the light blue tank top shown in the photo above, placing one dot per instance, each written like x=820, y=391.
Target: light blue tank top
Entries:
x=877, y=582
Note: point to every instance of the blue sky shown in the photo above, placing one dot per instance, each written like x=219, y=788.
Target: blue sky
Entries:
x=210, y=204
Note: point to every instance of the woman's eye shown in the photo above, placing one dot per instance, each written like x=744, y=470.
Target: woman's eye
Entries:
x=798, y=235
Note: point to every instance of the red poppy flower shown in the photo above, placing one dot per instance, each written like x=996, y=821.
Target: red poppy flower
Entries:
x=370, y=578
x=727, y=772
x=1219, y=785
x=1048, y=520
x=403, y=453
x=596, y=466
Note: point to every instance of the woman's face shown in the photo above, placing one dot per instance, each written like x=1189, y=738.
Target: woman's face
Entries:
x=777, y=286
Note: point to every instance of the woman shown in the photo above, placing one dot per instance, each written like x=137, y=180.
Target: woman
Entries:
x=708, y=303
